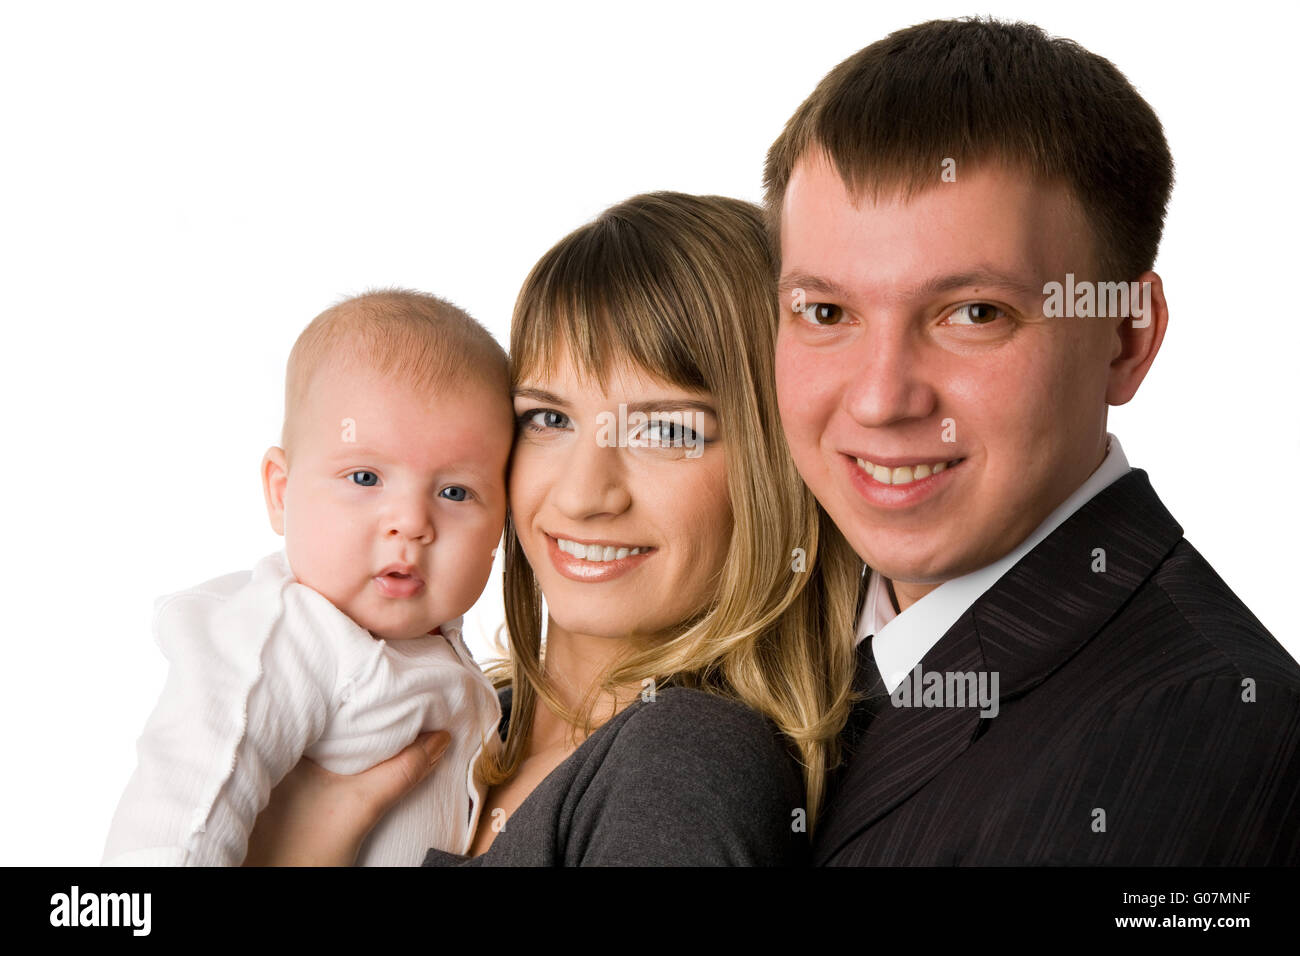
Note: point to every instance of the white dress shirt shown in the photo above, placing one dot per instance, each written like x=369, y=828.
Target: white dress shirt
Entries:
x=264, y=671
x=901, y=640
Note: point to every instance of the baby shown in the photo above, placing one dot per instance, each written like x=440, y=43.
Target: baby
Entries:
x=389, y=489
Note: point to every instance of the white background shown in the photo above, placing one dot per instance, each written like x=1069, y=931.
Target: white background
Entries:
x=183, y=186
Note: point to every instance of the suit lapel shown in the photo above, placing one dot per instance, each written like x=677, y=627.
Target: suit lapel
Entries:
x=1037, y=616
x=1063, y=592
x=894, y=750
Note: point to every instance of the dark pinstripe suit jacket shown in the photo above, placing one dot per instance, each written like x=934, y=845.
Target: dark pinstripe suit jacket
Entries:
x=1146, y=718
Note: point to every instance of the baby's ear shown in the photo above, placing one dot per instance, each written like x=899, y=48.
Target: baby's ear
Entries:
x=275, y=475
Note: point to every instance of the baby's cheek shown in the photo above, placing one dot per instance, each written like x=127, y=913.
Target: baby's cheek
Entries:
x=474, y=560
x=326, y=551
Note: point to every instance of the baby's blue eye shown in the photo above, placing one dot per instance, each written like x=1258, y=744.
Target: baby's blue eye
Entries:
x=366, y=479
x=454, y=493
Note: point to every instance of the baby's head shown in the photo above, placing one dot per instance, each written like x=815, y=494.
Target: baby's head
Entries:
x=389, y=481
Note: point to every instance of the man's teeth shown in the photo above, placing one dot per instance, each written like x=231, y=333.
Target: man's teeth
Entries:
x=904, y=475
x=595, y=552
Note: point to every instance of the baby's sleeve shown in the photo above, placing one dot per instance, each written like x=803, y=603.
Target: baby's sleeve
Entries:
x=244, y=698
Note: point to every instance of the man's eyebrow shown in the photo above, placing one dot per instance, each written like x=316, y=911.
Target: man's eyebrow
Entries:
x=811, y=283
x=979, y=277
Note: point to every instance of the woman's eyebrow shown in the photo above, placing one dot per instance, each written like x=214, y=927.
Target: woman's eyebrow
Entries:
x=671, y=405
x=651, y=405
x=540, y=394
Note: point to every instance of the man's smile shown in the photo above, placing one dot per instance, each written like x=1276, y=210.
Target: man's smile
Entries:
x=901, y=486
x=891, y=473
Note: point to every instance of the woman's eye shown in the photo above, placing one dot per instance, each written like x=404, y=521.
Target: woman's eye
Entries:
x=823, y=313
x=454, y=493
x=668, y=433
x=977, y=313
x=542, y=419
x=365, y=479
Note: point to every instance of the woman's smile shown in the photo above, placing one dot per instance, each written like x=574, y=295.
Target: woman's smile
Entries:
x=595, y=561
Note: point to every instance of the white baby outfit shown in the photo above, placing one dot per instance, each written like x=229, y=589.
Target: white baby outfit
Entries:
x=265, y=670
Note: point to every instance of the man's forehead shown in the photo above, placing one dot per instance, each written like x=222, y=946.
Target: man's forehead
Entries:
x=995, y=224
x=816, y=184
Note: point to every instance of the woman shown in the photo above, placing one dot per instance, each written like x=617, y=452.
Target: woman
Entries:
x=699, y=601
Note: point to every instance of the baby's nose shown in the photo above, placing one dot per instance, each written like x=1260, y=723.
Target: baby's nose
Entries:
x=415, y=528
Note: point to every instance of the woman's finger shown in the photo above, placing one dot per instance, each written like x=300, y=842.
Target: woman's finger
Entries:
x=387, y=782
x=318, y=818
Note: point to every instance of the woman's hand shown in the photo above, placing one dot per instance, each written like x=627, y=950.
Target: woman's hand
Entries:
x=318, y=818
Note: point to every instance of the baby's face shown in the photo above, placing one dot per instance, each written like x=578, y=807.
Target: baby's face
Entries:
x=394, y=502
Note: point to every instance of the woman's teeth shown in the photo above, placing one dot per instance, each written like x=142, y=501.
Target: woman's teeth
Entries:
x=595, y=552
x=904, y=475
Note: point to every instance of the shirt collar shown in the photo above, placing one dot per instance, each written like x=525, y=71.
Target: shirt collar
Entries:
x=901, y=640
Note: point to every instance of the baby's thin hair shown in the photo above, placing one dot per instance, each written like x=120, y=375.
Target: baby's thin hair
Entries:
x=422, y=341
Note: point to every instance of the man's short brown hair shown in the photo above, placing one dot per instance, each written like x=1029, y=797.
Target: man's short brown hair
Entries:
x=980, y=92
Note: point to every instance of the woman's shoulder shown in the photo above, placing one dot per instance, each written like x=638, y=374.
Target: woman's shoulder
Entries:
x=679, y=777
x=704, y=714
x=704, y=738
x=677, y=714
x=690, y=777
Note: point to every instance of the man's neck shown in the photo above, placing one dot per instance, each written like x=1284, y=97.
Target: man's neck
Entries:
x=905, y=593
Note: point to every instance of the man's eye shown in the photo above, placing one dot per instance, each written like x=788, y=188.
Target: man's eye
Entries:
x=541, y=419
x=366, y=479
x=977, y=313
x=454, y=493
x=823, y=313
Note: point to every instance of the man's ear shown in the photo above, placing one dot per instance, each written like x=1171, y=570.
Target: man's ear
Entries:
x=1137, y=339
x=275, y=476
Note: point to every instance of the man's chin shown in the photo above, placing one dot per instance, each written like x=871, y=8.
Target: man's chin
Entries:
x=923, y=569
x=916, y=567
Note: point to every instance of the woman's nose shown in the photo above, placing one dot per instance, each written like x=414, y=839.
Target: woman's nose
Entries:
x=594, y=481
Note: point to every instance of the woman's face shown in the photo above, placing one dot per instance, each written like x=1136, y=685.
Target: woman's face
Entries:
x=641, y=499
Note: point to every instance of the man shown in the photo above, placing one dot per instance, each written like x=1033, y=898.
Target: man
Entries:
x=1051, y=673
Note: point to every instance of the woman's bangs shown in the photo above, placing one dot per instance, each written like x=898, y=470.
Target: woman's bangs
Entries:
x=598, y=317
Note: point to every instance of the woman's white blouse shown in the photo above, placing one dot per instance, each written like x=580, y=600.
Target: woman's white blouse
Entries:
x=265, y=670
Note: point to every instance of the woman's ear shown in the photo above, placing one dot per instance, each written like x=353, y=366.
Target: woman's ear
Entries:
x=275, y=475
x=1137, y=338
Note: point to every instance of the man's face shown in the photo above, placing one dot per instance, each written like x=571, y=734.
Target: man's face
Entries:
x=931, y=408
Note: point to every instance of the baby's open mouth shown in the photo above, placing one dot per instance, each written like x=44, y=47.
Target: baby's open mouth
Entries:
x=399, y=581
x=401, y=572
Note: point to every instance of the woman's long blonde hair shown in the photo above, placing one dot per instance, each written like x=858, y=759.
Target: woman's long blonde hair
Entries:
x=683, y=288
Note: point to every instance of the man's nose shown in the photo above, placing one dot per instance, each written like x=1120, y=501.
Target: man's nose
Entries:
x=594, y=481
x=886, y=379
